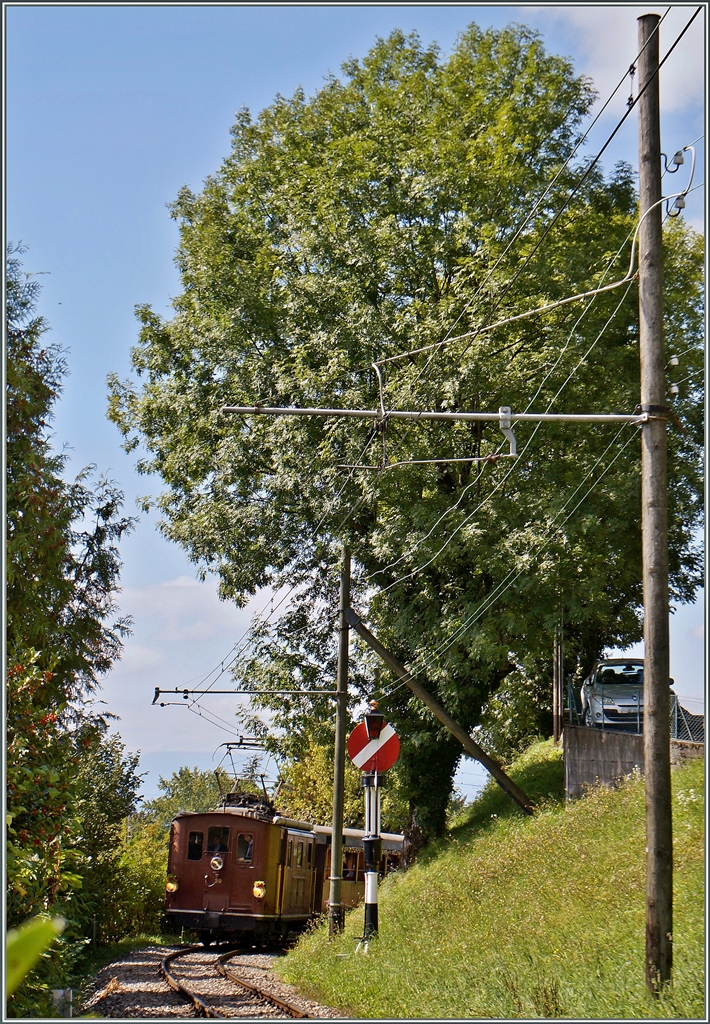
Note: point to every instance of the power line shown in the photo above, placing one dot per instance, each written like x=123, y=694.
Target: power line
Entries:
x=564, y=206
x=513, y=468
x=500, y=482
x=426, y=659
x=537, y=246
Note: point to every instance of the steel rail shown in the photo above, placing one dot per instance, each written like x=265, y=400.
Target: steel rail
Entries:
x=203, y=1008
x=399, y=414
x=200, y=1005
x=280, y=1004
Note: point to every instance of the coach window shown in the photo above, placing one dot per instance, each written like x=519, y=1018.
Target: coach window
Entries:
x=245, y=846
x=299, y=855
x=290, y=851
x=194, y=845
x=350, y=866
x=217, y=839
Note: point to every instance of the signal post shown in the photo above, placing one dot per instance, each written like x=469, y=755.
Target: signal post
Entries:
x=373, y=746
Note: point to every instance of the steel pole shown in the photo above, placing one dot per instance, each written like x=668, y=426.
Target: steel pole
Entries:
x=654, y=523
x=335, y=910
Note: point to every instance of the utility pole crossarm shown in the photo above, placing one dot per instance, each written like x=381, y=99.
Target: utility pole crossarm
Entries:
x=470, y=746
x=402, y=414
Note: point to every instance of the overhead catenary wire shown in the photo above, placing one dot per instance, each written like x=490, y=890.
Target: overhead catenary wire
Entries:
x=580, y=362
x=425, y=660
x=536, y=206
x=583, y=178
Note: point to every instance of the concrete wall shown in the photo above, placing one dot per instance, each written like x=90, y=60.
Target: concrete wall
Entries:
x=601, y=756
x=598, y=757
x=686, y=750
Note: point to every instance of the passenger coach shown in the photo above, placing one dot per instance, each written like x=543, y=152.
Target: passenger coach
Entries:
x=244, y=870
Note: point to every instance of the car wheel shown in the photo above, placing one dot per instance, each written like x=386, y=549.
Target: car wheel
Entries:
x=588, y=721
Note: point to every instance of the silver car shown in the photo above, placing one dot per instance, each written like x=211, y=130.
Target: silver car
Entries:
x=612, y=694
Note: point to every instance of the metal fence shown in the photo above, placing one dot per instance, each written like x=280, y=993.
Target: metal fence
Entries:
x=687, y=719
x=687, y=716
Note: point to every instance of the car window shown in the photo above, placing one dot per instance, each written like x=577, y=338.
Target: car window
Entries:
x=628, y=675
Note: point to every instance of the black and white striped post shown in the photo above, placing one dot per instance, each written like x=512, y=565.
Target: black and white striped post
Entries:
x=372, y=846
x=372, y=843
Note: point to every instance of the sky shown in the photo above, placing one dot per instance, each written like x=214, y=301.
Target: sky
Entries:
x=110, y=109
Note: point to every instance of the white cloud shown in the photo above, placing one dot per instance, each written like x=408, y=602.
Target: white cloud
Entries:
x=137, y=658
x=182, y=632
x=181, y=610
x=606, y=42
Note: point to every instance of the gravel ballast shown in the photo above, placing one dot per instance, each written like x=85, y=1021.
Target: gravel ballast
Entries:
x=132, y=986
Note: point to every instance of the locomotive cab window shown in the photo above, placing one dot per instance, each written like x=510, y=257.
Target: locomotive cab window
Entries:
x=194, y=845
x=217, y=839
x=245, y=846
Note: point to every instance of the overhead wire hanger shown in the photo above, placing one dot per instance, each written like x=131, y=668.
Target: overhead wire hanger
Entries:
x=504, y=414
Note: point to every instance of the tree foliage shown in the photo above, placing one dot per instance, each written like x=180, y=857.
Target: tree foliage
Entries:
x=68, y=785
x=416, y=199
x=187, y=789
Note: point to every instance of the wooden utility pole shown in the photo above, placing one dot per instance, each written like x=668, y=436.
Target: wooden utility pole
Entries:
x=335, y=909
x=654, y=522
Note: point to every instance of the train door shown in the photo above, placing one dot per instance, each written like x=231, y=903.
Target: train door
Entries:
x=319, y=853
x=241, y=896
x=216, y=852
x=299, y=867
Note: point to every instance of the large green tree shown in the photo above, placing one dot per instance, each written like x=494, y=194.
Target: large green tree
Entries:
x=415, y=199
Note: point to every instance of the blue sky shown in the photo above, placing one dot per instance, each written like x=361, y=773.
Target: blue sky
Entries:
x=109, y=110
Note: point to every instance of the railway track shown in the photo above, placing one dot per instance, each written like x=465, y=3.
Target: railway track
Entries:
x=199, y=982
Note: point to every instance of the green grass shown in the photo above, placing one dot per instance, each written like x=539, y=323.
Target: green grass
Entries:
x=516, y=917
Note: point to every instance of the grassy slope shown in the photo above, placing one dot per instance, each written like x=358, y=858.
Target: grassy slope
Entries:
x=518, y=917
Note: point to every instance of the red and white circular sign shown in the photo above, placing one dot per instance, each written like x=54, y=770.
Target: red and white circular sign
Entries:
x=373, y=755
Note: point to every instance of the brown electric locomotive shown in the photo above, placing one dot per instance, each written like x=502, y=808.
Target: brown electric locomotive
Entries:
x=244, y=871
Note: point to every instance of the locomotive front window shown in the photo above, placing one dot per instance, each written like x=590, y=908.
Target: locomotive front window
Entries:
x=217, y=839
x=245, y=846
x=194, y=845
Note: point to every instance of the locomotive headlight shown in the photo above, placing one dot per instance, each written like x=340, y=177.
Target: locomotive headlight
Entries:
x=216, y=863
x=259, y=890
x=171, y=885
